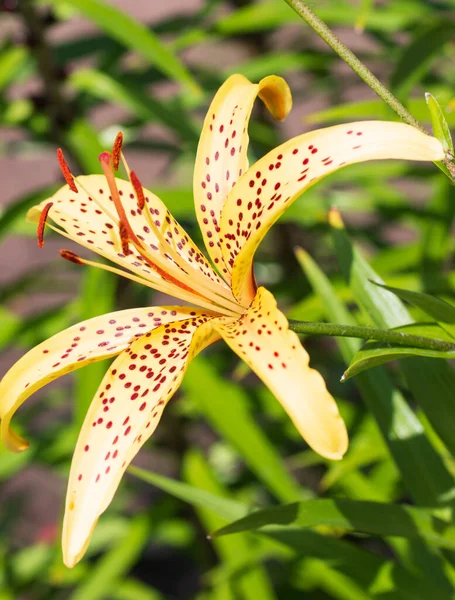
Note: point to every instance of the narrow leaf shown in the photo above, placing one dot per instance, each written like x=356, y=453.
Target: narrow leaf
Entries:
x=202, y=384
x=400, y=427
x=440, y=127
x=376, y=518
x=377, y=353
x=135, y=36
x=435, y=307
x=435, y=396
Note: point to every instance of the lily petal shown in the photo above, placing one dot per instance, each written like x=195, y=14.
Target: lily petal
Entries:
x=262, y=339
x=89, y=341
x=123, y=415
x=90, y=219
x=271, y=185
x=223, y=145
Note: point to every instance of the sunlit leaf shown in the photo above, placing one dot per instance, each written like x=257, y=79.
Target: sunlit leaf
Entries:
x=135, y=36
x=376, y=518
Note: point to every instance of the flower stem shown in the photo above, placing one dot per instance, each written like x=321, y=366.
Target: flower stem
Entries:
x=303, y=10
x=370, y=333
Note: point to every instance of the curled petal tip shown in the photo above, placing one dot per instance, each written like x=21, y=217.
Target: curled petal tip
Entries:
x=11, y=440
x=276, y=95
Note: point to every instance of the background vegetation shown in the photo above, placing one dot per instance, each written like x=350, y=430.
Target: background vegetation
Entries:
x=74, y=72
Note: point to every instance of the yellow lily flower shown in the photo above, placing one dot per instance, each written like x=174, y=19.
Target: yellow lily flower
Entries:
x=130, y=226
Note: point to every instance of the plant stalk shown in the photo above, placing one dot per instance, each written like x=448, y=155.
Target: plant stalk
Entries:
x=370, y=333
x=303, y=10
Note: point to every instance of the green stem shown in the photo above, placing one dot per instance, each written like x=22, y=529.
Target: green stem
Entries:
x=305, y=12
x=370, y=333
x=351, y=59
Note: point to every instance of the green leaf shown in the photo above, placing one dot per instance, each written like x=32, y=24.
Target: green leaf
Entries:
x=375, y=518
x=370, y=109
x=381, y=577
x=439, y=309
x=401, y=429
x=13, y=61
x=416, y=58
x=264, y=16
x=202, y=385
x=437, y=242
x=436, y=389
x=365, y=8
x=133, y=589
x=224, y=507
x=275, y=62
x=110, y=569
x=253, y=581
x=435, y=307
x=135, y=36
x=441, y=129
x=377, y=353
x=116, y=90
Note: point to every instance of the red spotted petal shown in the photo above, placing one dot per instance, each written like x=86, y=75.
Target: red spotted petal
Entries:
x=84, y=343
x=222, y=152
x=122, y=416
x=276, y=180
x=262, y=339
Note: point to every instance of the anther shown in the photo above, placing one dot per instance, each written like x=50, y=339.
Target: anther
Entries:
x=124, y=239
x=42, y=224
x=68, y=255
x=138, y=189
x=117, y=150
x=66, y=171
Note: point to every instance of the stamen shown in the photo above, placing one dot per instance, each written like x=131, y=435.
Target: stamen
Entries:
x=117, y=150
x=105, y=160
x=71, y=256
x=126, y=232
x=66, y=171
x=42, y=224
x=138, y=189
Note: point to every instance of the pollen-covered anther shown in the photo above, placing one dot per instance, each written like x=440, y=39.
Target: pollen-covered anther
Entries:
x=123, y=230
x=117, y=150
x=42, y=224
x=66, y=171
x=138, y=190
x=71, y=256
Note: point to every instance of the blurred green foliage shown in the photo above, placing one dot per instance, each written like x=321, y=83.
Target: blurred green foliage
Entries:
x=378, y=524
